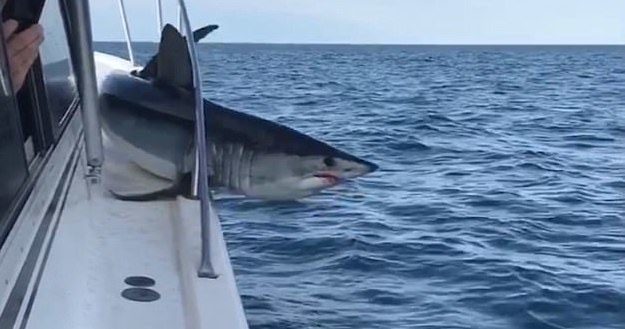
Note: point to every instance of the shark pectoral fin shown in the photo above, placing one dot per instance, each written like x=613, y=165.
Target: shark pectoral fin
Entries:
x=166, y=194
x=180, y=186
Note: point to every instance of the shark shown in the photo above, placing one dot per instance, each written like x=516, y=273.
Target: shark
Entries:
x=148, y=114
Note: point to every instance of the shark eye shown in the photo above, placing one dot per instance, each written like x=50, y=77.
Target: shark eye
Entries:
x=329, y=161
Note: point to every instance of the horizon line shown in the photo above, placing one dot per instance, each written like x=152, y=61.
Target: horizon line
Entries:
x=386, y=44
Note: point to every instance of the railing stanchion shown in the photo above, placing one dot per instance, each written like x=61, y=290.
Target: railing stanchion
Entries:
x=84, y=66
x=179, y=17
x=159, y=16
x=122, y=12
x=200, y=173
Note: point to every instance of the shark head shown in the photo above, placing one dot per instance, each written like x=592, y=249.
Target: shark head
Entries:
x=284, y=176
x=264, y=159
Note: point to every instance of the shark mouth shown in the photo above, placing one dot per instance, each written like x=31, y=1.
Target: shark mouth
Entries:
x=331, y=179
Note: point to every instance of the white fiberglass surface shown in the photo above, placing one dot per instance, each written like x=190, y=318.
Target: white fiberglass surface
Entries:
x=100, y=241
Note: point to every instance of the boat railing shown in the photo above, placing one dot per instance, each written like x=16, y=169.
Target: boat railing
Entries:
x=122, y=13
x=82, y=52
x=200, y=172
x=200, y=186
x=159, y=16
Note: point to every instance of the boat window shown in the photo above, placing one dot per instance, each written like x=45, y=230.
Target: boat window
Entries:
x=13, y=167
x=29, y=96
x=58, y=75
x=32, y=118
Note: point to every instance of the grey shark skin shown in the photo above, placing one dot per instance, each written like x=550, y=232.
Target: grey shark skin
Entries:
x=153, y=123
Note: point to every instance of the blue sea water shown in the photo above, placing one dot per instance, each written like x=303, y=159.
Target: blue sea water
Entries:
x=500, y=202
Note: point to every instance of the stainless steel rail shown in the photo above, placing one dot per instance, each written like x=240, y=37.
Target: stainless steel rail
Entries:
x=122, y=12
x=200, y=173
x=159, y=17
x=200, y=187
x=179, y=18
x=84, y=66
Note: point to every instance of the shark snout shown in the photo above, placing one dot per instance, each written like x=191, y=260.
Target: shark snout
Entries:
x=353, y=168
x=364, y=167
x=370, y=166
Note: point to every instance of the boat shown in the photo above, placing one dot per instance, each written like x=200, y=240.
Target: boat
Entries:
x=71, y=254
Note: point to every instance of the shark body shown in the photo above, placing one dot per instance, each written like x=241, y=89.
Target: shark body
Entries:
x=149, y=115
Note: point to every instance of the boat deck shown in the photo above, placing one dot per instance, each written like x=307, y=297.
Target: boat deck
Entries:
x=99, y=241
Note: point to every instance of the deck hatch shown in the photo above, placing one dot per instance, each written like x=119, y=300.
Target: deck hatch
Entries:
x=139, y=281
x=140, y=294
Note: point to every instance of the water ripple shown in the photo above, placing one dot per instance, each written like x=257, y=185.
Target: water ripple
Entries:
x=500, y=202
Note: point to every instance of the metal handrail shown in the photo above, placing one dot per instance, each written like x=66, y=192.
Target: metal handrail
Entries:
x=159, y=16
x=122, y=12
x=84, y=66
x=179, y=18
x=200, y=173
x=200, y=187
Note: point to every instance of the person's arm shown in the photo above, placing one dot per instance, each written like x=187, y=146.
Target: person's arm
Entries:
x=22, y=49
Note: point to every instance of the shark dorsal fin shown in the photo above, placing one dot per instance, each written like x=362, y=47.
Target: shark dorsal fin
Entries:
x=173, y=57
x=172, y=62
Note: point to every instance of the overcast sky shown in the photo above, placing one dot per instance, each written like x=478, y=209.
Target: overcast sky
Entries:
x=380, y=21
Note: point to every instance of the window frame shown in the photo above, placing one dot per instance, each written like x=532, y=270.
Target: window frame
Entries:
x=7, y=219
x=46, y=131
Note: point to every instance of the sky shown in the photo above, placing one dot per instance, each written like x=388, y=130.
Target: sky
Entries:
x=379, y=21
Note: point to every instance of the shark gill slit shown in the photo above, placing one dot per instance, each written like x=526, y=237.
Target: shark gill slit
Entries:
x=250, y=178
x=245, y=169
x=240, y=151
x=231, y=164
x=220, y=168
x=236, y=166
x=224, y=165
x=215, y=158
x=233, y=167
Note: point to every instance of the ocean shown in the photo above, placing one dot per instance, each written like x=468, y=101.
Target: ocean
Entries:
x=499, y=203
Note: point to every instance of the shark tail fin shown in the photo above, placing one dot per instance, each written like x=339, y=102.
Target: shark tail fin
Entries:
x=202, y=32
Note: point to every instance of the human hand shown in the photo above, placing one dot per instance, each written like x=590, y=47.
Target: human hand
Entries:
x=22, y=49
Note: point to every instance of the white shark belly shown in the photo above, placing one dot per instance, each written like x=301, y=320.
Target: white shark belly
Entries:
x=146, y=161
